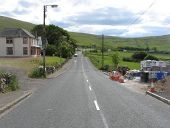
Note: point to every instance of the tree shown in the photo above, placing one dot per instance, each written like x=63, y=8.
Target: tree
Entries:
x=51, y=50
x=155, y=49
x=55, y=34
x=139, y=56
x=115, y=60
x=65, y=50
x=38, y=30
x=59, y=41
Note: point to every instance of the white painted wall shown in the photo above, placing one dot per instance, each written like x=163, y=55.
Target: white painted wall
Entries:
x=2, y=46
x=17, y=46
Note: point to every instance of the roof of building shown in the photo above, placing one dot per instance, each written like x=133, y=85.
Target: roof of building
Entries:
x=15, y=32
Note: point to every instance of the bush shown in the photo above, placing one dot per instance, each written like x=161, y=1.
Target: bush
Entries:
x=37, y=73
x=139, y=56
x=11, y=81
x=150, y=57
x=105, y=67
x=115, y=60
x=13, y=85
x=94, y=51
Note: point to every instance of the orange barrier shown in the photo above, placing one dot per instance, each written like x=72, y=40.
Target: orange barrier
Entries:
x=116, y=77
x=152, y=90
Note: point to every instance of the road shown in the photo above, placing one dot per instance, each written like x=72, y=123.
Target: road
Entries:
x=83, y=97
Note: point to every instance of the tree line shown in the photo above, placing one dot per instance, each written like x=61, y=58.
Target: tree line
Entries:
x=59, y=41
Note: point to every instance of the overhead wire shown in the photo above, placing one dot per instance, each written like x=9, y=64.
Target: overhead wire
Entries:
x=133, y=21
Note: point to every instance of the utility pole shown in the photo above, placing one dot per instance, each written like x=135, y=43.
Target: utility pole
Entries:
x=44, y=40
x=102, y=51
x=44, y=36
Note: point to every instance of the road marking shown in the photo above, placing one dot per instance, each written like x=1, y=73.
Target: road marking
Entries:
x=87, y=80
x=49, y=109
x=90, y=88
x=96, y=104
x=95, y=101
x=104, y=119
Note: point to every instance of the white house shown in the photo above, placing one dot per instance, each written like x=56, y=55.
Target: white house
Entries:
x=18, y=42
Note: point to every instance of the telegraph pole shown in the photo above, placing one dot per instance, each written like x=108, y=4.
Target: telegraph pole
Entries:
x=44, y=36
x=102, y=51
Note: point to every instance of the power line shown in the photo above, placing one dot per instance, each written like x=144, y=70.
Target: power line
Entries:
x=141, y=14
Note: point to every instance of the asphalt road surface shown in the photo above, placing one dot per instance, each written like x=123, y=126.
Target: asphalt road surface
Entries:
x=83, y=97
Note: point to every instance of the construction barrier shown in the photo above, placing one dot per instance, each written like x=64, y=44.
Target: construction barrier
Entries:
x=116, y=77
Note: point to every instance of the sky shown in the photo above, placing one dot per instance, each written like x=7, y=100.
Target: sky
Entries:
x=122, y=18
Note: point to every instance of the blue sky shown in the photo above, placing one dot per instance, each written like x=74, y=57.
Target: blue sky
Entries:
x=123, y=18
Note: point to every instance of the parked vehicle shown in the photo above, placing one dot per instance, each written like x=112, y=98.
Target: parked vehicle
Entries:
x=75, y=55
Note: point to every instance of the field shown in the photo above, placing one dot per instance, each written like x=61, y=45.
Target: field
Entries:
x=161, y=43
x=28, y=64
x=96, y=59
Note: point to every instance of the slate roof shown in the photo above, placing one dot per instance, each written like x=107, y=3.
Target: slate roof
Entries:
x=15, y=32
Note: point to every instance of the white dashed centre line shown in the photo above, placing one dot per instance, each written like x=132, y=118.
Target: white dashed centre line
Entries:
x=49, y=109
x=96, y=104
x=90, y=88
x=95, y=101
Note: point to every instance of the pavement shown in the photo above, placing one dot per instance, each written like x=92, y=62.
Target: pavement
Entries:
x=27, y=86
x=140, y=87
x=165, y=94
x=10, y=99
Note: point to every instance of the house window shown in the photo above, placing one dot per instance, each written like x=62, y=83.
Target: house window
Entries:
x=25, y=40
x=9, y=50
x=9, y=40
x=25, y=51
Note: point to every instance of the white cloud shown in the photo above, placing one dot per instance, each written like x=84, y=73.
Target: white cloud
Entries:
x=153, y=15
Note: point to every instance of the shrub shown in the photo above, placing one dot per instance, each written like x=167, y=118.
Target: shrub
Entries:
x=94, y=51
x=13, y=84
x=139, y=56
x=11, y=81
x=105, y=67
x=115, y=60
x=150, y=57
x=37, y=73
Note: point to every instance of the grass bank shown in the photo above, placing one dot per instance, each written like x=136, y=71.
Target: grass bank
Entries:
x=28, y=64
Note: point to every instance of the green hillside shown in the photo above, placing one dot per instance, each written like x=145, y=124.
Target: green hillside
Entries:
x=159, y=42
x=90, y=39
x=6, y=22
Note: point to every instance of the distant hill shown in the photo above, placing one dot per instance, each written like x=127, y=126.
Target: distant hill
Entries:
x=6, y=22
x=159, y=42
